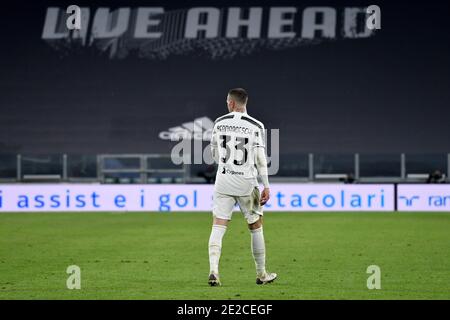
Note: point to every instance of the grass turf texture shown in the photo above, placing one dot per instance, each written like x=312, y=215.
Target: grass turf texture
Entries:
x=165, y=256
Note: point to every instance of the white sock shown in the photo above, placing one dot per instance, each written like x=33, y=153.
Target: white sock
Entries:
x=215, y=247
x=259, y=250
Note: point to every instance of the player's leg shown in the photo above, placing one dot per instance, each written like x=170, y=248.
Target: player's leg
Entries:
x=218, y=230
x=258, y=246
x=222, y=211
x=259, y=253
x=254, y=215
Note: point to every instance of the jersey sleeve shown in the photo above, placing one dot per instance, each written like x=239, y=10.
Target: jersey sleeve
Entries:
x=260, y=140
x=214, y=138
x=261, y=165
x=214, y=145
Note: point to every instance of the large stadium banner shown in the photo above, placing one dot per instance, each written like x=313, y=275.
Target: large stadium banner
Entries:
x=330, y=77
x=157, y=32
x=166, y=198
x=423, y=197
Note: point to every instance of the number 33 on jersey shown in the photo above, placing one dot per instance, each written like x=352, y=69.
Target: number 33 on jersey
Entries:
x=234, y=139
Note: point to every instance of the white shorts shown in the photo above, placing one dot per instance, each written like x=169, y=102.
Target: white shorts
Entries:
x=250, y=207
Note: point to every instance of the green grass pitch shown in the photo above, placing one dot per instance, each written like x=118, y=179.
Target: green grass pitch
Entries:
x=165, y=256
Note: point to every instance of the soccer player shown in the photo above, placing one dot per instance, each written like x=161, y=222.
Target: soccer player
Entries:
x=237, y=145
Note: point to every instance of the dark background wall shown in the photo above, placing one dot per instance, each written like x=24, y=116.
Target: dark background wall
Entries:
x=385, y=94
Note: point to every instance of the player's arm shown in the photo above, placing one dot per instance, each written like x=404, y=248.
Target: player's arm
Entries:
x=214, y=146
x=261, y=166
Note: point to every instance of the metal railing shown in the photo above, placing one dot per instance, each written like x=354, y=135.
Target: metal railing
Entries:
x=143, y=171
x=157, y=168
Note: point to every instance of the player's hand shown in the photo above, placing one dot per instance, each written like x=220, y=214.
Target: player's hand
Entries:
x=265, y=196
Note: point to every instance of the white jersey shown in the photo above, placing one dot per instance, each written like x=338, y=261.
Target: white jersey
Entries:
x=235, y=137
